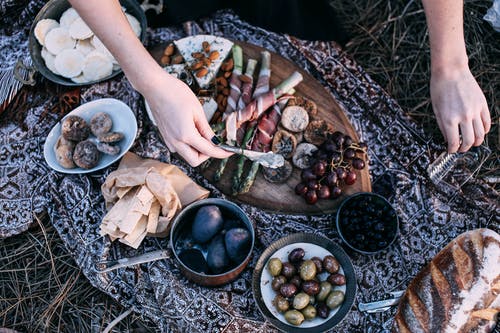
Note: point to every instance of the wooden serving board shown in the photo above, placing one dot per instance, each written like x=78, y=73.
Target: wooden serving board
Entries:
x=282, y=197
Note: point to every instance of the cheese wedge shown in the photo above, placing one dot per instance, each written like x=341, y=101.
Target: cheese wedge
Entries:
x=187, y=46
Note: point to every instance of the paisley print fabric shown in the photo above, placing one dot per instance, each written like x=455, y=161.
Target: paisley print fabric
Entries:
x=399, y=154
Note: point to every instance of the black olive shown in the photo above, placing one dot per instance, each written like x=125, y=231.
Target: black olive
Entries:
x=296, y=255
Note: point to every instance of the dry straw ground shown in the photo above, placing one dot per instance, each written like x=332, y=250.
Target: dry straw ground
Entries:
x=42, y=289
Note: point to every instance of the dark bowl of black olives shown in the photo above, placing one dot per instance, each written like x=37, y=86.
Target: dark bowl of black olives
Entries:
x=212, y=240
x=367, y=222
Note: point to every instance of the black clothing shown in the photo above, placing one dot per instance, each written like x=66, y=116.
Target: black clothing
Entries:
x=306, y=19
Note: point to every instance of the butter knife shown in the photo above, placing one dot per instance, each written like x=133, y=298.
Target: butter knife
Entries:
x=268, y=160
x=383, y=305
x=106, y=266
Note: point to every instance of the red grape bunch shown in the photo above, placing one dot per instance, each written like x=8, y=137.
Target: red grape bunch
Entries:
x=333, y=167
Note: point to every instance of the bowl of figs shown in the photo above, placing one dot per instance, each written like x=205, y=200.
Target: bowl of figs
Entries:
x=367, y=222
x=212, y=241
x=304, y=283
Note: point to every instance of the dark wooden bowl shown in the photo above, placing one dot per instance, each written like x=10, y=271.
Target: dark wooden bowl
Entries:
x=53, y=10
x=181, y=232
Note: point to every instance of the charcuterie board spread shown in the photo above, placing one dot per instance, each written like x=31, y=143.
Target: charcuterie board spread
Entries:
x=260, y=101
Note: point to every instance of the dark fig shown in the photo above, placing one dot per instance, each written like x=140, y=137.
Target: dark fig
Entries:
x=238, y=243
x=217, y=257
x=207, y=222
x=194, y=259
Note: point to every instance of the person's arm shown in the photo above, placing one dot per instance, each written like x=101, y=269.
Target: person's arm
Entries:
x=176, y=109
x=458, y=102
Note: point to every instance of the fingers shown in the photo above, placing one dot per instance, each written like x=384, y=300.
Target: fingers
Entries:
x=192, y=156
x=453, y=138
x=485, y=118
x=478, y=127
x=206, y=147
x=204, y=143
x=467, y=131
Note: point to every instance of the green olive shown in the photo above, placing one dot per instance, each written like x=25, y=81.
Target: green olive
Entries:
x=275, y=265
x=294, y=317
x=281, y=303
x=309, y=312
x=312, y=299
x=335, y=298
x=308, y=270
x=300, y=301
x=325, y=288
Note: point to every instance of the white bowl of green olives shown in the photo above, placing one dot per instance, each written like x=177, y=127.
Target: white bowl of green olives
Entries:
x=304, y=283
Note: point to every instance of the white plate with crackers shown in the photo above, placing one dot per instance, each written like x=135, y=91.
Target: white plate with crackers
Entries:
x=123, y=121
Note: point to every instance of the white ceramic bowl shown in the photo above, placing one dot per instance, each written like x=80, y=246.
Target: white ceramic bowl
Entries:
x=124, y=121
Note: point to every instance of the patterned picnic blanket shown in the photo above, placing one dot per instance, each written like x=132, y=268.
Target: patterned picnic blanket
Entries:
x=399, y=153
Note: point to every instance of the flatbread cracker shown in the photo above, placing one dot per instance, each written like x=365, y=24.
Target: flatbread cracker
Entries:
x=80, y=30
x=154, y=215
x=43, y=27
x=49, y=60
x=68, y=17
x=58, y=39
x=96, y=66
x=138, y=232
x=84, y=46
x=69, y=63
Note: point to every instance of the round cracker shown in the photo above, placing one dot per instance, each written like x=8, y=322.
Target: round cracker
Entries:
x=43, y=27
x=58, y=39
x=69, y=63
x=294, y=118
x=49, y=60
x=80, y=30
x=84, y=46
x=97, y=66
x=68, y=17
x=134, y=23
x=99, y=46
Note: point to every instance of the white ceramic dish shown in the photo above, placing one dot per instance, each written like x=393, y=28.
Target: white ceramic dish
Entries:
x=124, y=121
x=313, y=245
x=268, y=294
